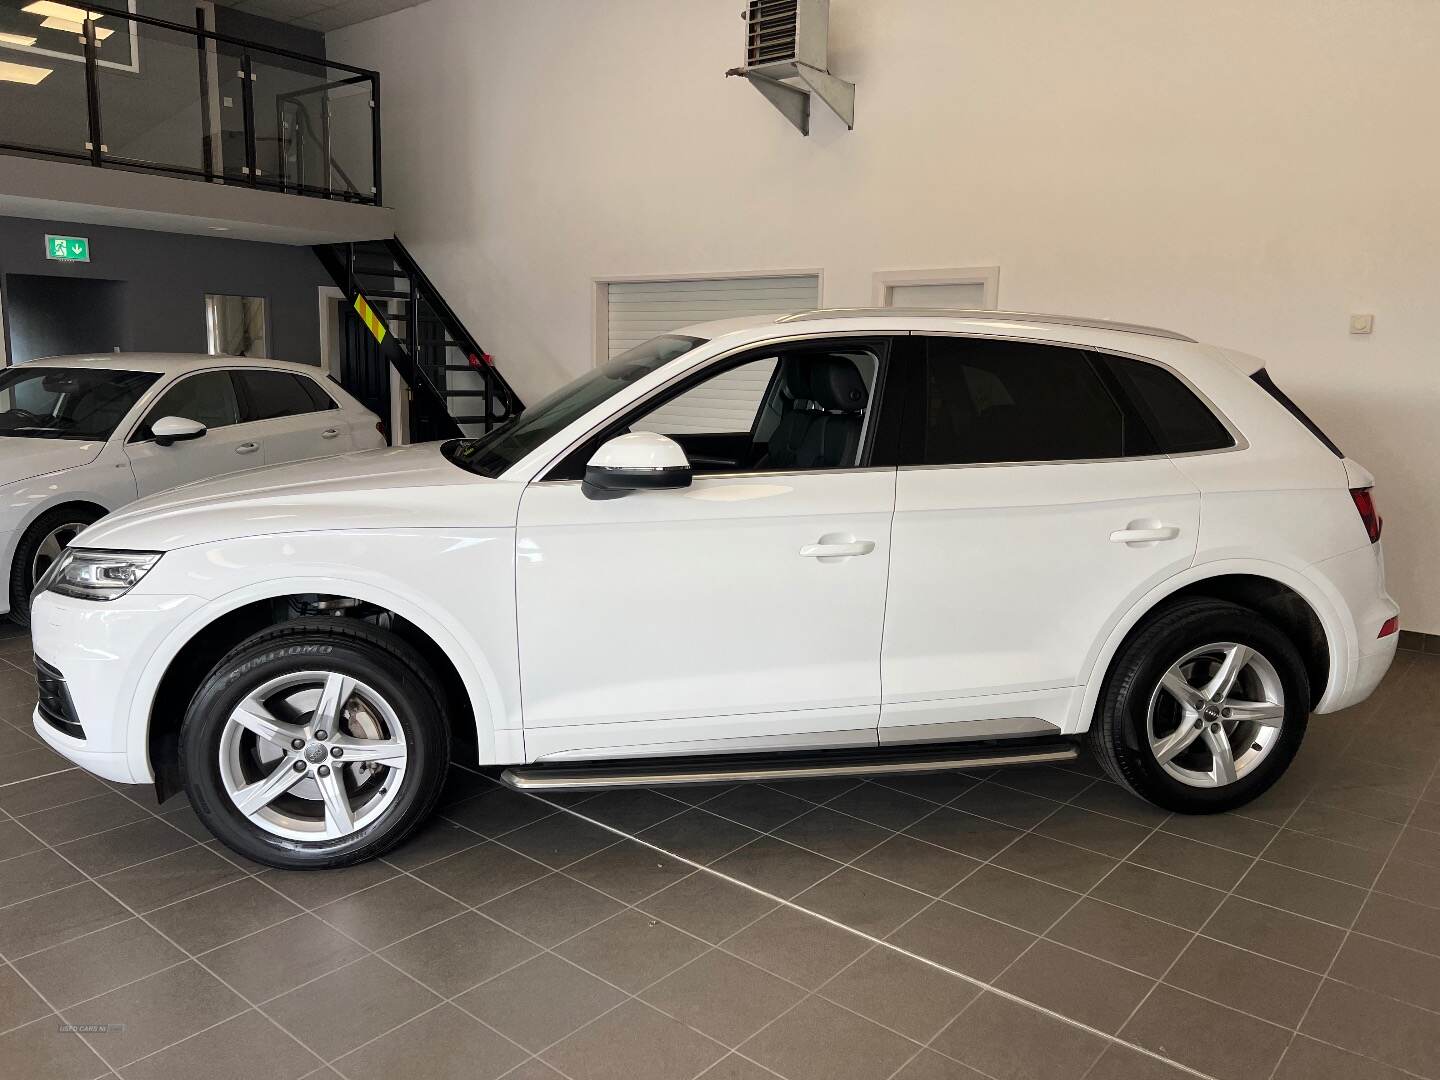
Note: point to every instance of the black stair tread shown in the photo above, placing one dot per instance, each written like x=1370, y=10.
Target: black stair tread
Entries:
x=378, y=269
x=390, y=294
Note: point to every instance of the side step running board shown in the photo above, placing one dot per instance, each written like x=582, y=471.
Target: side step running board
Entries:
x=670, y=772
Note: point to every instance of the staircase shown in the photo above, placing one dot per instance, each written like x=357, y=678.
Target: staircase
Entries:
x=454, y=388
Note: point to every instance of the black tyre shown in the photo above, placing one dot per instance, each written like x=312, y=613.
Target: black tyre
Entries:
x=316, y=743
x=1203, y=709
x=41, y=544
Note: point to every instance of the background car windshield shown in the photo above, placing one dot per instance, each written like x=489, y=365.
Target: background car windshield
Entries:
x=67, y=403
x=492, y=454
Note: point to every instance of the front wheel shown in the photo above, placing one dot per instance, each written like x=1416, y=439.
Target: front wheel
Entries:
x=40, y=545
x=316, y=743
x=1204, y=708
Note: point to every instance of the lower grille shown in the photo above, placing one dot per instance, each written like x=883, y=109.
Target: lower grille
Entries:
x=54, y=703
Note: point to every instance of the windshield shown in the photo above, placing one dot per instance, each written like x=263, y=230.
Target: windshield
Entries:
x=67, y=403
x=492, y=454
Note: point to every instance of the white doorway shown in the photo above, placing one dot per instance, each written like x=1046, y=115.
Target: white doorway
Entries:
x=968, y=288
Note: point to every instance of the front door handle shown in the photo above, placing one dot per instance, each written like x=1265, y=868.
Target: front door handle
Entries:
x=837, y=551
x=247, y=448
x=329, y=433
x=1144, y=536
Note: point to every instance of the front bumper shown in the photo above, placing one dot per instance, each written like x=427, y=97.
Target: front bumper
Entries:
x=105, y=653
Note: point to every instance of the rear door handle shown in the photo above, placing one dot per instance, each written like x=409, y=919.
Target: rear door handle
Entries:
x=247, y=448
x=329, y=433
x=837, y=551
x=1144, y=536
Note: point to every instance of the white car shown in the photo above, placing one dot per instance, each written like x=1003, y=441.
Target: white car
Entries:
x=835, y=542
x=81, y=436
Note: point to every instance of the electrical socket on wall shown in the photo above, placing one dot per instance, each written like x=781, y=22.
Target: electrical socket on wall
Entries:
x=1362, y=324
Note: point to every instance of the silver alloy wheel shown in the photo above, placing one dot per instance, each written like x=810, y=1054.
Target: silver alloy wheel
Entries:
x=313, y=755
x=50, y=549
x=1216, y=714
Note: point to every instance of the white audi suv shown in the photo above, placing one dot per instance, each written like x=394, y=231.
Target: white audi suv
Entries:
x=81, y=436
x=837, y=542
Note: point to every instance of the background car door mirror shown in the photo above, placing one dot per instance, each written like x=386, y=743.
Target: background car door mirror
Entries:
x=172, y=429
x=639, y=461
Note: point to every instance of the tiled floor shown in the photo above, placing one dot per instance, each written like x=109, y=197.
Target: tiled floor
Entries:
x=1031, y=923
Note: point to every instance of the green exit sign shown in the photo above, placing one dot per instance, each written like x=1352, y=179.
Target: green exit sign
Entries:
x=67, y=248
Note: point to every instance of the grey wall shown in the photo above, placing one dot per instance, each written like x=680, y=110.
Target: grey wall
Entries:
x=166, y=278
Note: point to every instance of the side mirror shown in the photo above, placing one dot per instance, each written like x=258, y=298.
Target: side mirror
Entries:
x=639, y=461
x=169, y=430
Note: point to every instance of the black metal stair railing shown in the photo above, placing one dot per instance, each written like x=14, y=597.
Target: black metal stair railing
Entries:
x=181, y=100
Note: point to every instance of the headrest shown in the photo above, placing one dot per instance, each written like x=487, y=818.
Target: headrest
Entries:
x=831, y=382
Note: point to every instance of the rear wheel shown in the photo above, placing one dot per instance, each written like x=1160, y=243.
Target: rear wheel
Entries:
x=42, y=543
x=317, y=743
x=1204, y=708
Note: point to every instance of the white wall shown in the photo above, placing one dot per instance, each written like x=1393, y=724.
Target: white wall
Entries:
x=1250, y=173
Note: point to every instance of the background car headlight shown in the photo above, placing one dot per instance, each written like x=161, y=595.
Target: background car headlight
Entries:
x=96, y=575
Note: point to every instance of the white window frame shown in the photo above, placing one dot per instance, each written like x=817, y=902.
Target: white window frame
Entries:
x=600, y=296
x=986, y=276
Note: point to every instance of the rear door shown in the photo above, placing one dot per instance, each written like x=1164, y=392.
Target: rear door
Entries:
x=228, y=445
x=1033, y=506
x=298, y=419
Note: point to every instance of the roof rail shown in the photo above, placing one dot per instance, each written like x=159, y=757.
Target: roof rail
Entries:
x=979, y=314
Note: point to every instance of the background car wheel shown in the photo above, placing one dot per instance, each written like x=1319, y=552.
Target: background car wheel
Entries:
x=317, y=743
x=1204, y=708
x=41, y=545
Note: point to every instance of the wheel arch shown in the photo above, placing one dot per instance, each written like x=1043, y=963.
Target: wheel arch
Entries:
x=469, y=691
x=83, y=500
x=1297, y=604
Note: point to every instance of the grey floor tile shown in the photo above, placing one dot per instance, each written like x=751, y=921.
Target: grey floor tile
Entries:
x=1391, y=970
x=1308, y=1059
x=1123, y=937
x=918, y=865
x=936, y=787
x=558, y=840
x=16, y=841
x=776, y=867
x=1402, y=921
x=1304, y=894
x=1060, y=785
x=834, y=835
x=114, y=850
x=723, y=997
x=1076, y=985
x=274, y=961
x=882, y=806
x=387, y=912
x=459, y=953
x=758, y=806
x=99, y=962
x=1360, y=830
x=1410, y=881
x=1009, y=1041
x=1378, y=1027
x=1099, y=832
x=818, y=1040
x=962, y=940
x=1169, y=1019
x=353, y=1004
x=631, y=950
x=1159, y=895
x=222, y=915
x=173, y=877
x=27, y=876
x=72, y=821
x=1111, y=799
x=496, y=811
x=631, y=810
x=1059, y=864
x=438, y=838
x=1340, y=862
x=899, y=992
x=1240, y=834
x=699, y=836
x=50, y=791
x=629, y=871
x=56, y=917
x=708, y=907
x=1206, y=865
x=551, y=909
x=442, y=1044
x=19, y=1004
x=634, y=1042
x=1245, y=981
x=480, y=874
x=733, y=1067
x=797, y=946
x=40, y=1049
x=967, y=834
x=156, y=1011
x=241, y=1048
x=862, y=901
x=1121, y=1062
x=1005, y=804
x=541, y=1001
x=312, y=888
x=1278, y=934
x=1013, y=898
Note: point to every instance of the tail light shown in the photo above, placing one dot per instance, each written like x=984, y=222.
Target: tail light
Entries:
x=380, y=427
x=1365, y=503
x=1390, y=626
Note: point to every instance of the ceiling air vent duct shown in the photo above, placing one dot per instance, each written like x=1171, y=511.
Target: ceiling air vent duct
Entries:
x=789, y=40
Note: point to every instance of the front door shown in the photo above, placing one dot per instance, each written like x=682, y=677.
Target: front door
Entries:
x=1033, y=507
x=743, y=612
x=228, y=445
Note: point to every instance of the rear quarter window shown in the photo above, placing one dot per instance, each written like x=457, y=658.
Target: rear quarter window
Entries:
x=1181, y=422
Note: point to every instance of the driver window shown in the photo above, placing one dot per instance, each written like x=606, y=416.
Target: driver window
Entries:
x=801, y=410
x=208, y=397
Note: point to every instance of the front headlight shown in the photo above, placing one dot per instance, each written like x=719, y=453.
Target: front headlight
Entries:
x=96, y=575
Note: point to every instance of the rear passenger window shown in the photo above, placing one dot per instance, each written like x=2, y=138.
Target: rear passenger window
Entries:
x=1013, y=401
x=1182, y=423
x=268, y=395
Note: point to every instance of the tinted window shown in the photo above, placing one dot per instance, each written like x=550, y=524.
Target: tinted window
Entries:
x=1003, y=401
x=208, y=397
x=273, y=394
x=67, y=403
x=1180, y=421
x=318, y=397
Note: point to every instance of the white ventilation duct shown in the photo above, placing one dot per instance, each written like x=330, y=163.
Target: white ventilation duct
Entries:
x=789, y=40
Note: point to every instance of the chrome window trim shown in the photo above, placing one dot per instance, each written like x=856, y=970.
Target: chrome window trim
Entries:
x=543, y=477
x=766, y=475
x=1241, y=443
